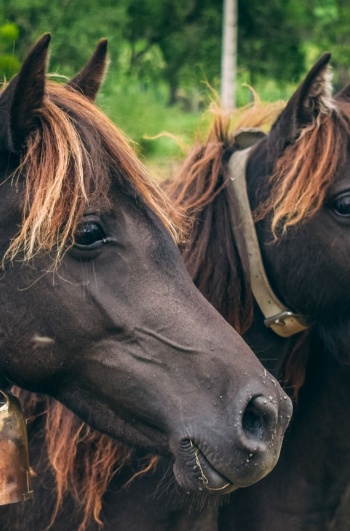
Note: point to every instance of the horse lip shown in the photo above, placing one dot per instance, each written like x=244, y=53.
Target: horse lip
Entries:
x=212, y=480
x=193, y=471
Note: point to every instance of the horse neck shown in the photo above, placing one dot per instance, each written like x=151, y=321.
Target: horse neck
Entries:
x=285, y=358
x=215, y=257
x=274, y=351
x=215, y=253
x=211, y=251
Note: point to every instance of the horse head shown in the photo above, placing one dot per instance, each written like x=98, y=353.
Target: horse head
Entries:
x=298, y=179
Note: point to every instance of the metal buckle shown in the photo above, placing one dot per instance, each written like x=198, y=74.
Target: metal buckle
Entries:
x=280, y=318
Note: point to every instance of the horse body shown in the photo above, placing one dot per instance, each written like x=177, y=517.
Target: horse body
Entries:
x=100, y=313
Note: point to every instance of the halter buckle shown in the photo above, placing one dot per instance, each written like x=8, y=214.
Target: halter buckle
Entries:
x=281, y=318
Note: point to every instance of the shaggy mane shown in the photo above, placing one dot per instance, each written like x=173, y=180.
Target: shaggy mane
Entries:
x=83, y=461
x=307, y=169
x=67, y=163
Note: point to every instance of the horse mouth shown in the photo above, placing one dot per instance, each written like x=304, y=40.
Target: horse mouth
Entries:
x=212, y=480
x=199, y=474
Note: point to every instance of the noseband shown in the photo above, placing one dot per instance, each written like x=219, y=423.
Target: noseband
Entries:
x=278, y=317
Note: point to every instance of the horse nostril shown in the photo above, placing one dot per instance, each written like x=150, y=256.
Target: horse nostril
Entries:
x=259, y=419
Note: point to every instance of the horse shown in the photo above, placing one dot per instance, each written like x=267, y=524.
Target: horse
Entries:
x=271, y=216
x=100, y=315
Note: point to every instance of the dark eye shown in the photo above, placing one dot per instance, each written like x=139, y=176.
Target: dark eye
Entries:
x=341, y=205
x=89, y=234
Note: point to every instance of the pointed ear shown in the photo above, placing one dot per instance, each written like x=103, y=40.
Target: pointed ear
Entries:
x=22, y=99
x=90, y=78
x=311, y=99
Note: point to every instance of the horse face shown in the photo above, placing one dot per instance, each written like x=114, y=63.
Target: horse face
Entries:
x=310, y=263
x=117, y=331
x=307, y=155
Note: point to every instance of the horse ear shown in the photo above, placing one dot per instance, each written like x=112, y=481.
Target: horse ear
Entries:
x=22, y=99
x=311, y=99
x=90, y=78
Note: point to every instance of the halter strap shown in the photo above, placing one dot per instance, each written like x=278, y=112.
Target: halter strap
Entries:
x=278, y=317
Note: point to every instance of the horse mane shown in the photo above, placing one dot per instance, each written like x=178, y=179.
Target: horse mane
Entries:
x=214, y=252
x=82, y=460
x=68, y=162
x=306, y=169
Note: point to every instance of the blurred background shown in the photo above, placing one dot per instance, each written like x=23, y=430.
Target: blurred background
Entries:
x=166, y=55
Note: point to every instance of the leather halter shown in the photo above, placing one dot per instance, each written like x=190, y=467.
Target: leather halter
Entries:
x=278, y=317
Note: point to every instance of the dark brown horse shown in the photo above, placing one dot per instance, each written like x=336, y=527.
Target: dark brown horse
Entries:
x=99, y=312
x=298, y=185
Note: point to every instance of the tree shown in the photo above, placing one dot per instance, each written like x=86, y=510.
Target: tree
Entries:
x=75, y=26
x=186, y=32
x=179, y=41
x=271, y=37
x=330, y=32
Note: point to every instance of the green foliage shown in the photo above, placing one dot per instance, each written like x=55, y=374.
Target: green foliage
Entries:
x=330, y=32
x=270, y=37
x=76, y=27
x=9, y=33
x=178, y=42
x=186, y=32
x=9, y=63
x=141, y=111
x=167, y=50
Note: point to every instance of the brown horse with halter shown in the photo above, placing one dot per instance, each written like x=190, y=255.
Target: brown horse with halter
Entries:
x=269, y=247
x=99, y=312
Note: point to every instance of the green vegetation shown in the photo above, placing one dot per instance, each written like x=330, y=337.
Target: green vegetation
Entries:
x=142, y=113
x=166, y=54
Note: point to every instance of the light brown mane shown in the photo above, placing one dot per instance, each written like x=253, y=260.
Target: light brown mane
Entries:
x=307, y=168
x=67, y=164
x=213, y=152
x=82, y=460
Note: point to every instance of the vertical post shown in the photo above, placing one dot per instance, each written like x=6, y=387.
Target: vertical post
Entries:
x=229, y=55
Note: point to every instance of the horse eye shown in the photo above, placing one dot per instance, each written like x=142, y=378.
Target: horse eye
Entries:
x=341, y=205
x=88, y=234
